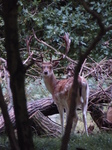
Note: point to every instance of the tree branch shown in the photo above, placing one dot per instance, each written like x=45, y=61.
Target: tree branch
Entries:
x=102, y=32
x=94, y=14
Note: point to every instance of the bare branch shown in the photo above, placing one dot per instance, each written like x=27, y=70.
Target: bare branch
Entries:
x=99, y=36
x=30, y=56
x=94, y=14
x=28, y=40
x=82, y=66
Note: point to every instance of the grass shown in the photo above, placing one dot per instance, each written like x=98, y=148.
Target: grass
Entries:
x=101, y=141
x=80, y=124
x=97, y=141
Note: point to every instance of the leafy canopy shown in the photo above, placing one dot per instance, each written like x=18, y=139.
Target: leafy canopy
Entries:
x=50, y=19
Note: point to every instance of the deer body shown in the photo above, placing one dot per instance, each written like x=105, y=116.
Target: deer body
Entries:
x=60, y=90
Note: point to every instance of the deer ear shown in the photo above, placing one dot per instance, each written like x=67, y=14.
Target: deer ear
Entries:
x=55, y=63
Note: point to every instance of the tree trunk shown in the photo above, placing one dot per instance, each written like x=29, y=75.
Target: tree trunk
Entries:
x=100, y=118
x=44, y=126
x=17, y=74
x=8, y=124
x=47, y=107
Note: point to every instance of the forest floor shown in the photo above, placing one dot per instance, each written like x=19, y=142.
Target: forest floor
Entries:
x=99, y=141
x=95, y=141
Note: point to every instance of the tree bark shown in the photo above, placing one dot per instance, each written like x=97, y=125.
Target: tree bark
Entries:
x=17, y=74
x=99, y=118
x=44, y=126
x=8, y=124
x=38, y=110
x=47, y=107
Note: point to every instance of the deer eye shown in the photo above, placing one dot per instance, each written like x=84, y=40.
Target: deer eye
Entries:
x=51, y=67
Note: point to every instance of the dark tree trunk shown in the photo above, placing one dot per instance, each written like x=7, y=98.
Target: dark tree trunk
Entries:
x=17, y=74
x=8, y=124
x=94, y=42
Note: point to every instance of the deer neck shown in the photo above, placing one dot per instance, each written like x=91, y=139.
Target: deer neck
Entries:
x=50, y=82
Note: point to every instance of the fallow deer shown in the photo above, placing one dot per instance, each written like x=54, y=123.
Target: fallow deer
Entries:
x=60, y=90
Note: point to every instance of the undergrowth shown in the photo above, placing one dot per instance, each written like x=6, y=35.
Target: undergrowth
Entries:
x=99, y=141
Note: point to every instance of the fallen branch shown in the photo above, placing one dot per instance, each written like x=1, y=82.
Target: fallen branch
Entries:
x=45, y=107
x=38, y=110
x=43, y=126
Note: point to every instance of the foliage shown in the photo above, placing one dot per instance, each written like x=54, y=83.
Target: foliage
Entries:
x=4, y=142
x=55, y=18
x=50, y=19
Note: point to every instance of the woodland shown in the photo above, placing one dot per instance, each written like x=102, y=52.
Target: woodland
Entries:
x=30, y=30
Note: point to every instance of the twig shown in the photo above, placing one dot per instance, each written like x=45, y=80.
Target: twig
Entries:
x=30, y=56
x=105, y=93
x=82, y=66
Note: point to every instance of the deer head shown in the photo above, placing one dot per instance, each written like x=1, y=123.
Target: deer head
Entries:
x=47, y=67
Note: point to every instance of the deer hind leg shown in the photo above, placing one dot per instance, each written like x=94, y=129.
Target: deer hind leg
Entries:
x=84, y=111
x=75, y=120
x=84, y=100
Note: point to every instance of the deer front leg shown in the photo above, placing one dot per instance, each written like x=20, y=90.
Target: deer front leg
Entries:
x=67, y=112
x=61, y=112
